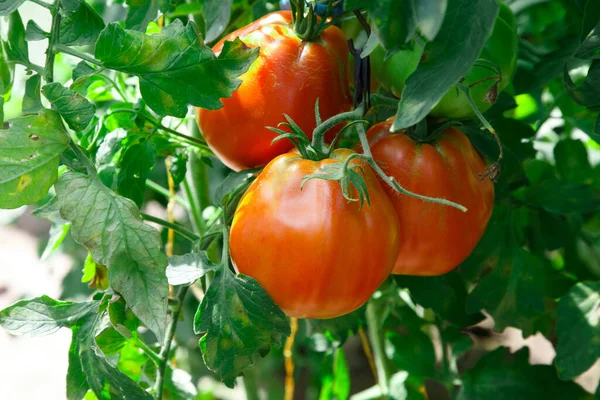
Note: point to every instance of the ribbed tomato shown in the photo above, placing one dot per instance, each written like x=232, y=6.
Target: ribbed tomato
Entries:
x=435, y=238
x=288, y=77
x=316, y=254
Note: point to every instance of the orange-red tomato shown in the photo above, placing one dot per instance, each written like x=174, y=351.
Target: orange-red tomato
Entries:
x=316, y=254
x=435, y=238
x=287, y=78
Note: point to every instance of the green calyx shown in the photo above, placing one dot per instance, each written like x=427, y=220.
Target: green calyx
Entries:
x=306, y=23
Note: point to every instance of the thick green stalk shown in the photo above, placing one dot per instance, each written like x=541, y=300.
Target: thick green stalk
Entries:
x=377, y=338
x=54, y=32
x=166, y=347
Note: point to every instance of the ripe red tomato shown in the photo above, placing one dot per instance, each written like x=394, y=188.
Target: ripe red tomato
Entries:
x=288, y=77
x=316, y=254
x=435, y=238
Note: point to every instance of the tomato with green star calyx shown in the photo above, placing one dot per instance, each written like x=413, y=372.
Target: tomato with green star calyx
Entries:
x=500, y=51
x=435, y=238
x=317, y=254
x=288, y=77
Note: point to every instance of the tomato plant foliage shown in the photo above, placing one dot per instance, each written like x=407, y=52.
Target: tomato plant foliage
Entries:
x=101, y=138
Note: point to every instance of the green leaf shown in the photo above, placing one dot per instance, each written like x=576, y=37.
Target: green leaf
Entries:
x=590, y=48
x=16, y=47
x=136, y=163
x=141, y=12
x=430, y=16
x=562, y=198
x=337, y=384
x=179, y=166
x=339, y=329
x=32, y=101
x=578, y=330
x=216, y=15
x=188, y=268
x=77, y=385
x=58, y=233
x=111, y=228
x=448, y=58
x=175, y=68
x=33, y=32
x=43, y=316
x=586, y=94
x=29, y=154
x=500, y=375
x=410, y=349
x=82, y=69
x=572, y=162
x=237, y=320
x=103, y=378
x=80, y=27
x=8, y=6
x=74, y=108
x=446, y=295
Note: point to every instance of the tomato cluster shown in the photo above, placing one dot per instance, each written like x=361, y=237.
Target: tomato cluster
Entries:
x=316, y=253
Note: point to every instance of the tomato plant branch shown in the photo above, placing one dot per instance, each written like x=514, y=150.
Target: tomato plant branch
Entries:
x=165, y=192
x=250, y=384
x=189, y=139
x=368, y=156
x=384, y=371
x=177, y=228
x=67, y=50
x=54, y=32
x=494, y=169
x=318, y=139
x=148, y=351
x=166, y=348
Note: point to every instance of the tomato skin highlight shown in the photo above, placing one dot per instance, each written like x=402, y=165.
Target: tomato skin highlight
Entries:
x=287, y=78
x=315, y=253
x=435, y=238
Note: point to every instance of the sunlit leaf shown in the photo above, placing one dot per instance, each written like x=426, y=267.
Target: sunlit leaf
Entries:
x=111, y=228
x=175, y=68
x=74, y=108
x=29, y=154
x=237, y=320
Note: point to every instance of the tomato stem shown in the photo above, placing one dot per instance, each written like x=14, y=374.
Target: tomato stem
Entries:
x=493, y=170
x=318, y=139
x=368, y=156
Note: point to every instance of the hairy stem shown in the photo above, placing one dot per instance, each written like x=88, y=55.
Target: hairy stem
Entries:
x=165, y=192
x=166, y=347
x=177, y=228
x=250, y=384
x=318, y=139
x=67, y=50
x=376, y=334
x=54, y=32
x=368, y=156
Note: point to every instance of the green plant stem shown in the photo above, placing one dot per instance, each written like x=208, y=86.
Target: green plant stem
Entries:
x=368, y=156
x=191, y=140
x=195, y=217
x=33, y=67
x=91, y=169
x=177, y=228
x=41, y=3
x=54, y=32
x=318, y=139
x=67, y=50
x=165, y=192
x=166, y=347
x=377, y=338
x=196, y=184
x=148, y=351
x=250, y=384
